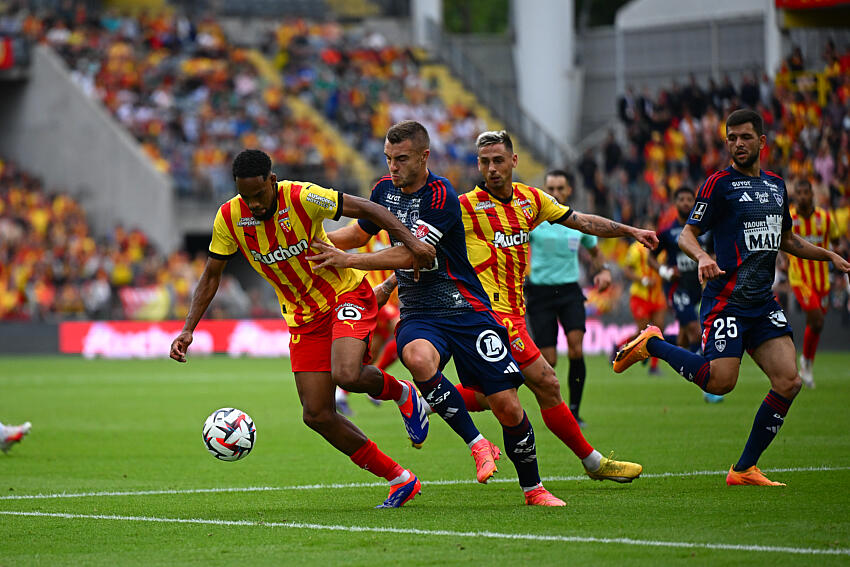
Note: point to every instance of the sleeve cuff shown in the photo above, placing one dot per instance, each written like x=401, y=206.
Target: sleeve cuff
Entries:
x=340, y=196
x=567, y=215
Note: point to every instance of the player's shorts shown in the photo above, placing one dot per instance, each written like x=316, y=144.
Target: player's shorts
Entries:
x=685, y=302
x=387, y=316
x=642, y=308
x=354, y=315
x=728, y=330
x=548, y=304
x=522, y=347
x=475, y=339
x=810, y=299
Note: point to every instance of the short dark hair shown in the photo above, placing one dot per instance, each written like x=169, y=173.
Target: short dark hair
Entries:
x=804, y=181
x=409, y=130
x=493, y=137
x=561, y=173
x=683, y=189
x=744, y=115
x=252, y=163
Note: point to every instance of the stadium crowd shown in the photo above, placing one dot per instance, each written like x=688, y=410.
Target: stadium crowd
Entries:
x=190, y=98
x=364, y=85
x=52, y=267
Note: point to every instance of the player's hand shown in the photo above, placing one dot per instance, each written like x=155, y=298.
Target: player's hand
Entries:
x=328, y=256
x=841, y=264
x=646, y=237
x=384, y=290
x=602, y=280
x=423, y=256
x=180, y=346
x=708, y=269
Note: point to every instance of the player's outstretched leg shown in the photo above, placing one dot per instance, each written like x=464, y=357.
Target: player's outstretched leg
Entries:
x=11, y=434
x=522, y=450
x=769, y=418
x=404, y=485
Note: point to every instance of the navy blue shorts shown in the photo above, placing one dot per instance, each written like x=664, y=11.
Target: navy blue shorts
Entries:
x=728, y=330
x=476, y=341
x=685, y=302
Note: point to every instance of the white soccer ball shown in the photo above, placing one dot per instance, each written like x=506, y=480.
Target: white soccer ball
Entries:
x=229, y=434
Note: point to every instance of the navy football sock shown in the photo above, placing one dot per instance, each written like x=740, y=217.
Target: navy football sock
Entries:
x=769, y=418
x=520, y=447
x=575, y=380
x=446, y=401
x=693, y=367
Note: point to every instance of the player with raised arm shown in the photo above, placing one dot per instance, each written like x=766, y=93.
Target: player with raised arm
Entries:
x=446, y=313
x=809, y=280
x=746, y=208
x=680, y=277
x=552, y=291
x=330, y=312
x=498, y=217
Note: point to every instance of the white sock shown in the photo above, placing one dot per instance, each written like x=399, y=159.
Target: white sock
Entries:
x=401, y=479
x=474, y=441
x=405, y=392
x=535, y=487
x=593, y=461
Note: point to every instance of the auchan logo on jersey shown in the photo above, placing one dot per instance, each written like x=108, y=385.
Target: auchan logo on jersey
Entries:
x=281, y=253
x=502, y=240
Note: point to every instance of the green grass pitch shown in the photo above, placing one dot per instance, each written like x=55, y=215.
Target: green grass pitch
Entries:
x=116, y=454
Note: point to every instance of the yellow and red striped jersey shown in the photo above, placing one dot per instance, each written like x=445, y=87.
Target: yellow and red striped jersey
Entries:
x=818, y=229
x=637, y=258
x=276, y=248
x=497, y=239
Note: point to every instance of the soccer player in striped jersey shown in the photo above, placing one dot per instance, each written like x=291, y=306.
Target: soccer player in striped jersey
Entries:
x=330, y=312
x=382, y=346
x=746, y=208
x=446, y=313
x=809, y=279
x=498, y=216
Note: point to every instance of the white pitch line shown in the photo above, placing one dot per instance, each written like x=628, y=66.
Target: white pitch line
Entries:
x=372, y=484
x=414, y=531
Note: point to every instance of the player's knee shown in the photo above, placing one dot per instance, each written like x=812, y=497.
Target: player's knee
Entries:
x=787, y=385
x=721, y=382
x=319, y=420
x=546, y=388
x=508, y=411
x=420, y=364
x=346, y=376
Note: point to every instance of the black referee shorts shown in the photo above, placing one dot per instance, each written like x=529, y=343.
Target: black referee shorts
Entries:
x=548, y=304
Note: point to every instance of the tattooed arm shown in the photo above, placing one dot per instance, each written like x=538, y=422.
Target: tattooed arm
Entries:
x=794, y=244
x=600, y=226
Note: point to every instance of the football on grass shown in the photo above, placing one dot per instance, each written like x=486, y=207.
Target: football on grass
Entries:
x=229, y=434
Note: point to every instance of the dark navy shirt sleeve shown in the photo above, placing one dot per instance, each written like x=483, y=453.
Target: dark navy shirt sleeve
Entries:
x=786, y=212
x=709, y=204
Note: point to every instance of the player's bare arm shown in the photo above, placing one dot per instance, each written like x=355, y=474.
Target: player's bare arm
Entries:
x=349, y=237
x=708, y=268
x=602, y=279
x=423, y=254
x=800, y=247
x=600, y=226
x=393, y=258
x=201, y=298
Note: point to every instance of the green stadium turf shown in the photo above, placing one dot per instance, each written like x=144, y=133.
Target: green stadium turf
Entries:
x=116, y=453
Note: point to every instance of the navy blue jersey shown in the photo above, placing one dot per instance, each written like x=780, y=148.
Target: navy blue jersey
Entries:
x=668, y=241
x=747, y=216
x=432, y=213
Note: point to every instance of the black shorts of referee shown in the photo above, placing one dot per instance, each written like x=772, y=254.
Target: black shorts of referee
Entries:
x=546, y=305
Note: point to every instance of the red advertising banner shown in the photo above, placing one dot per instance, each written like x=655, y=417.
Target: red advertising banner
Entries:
x=807, y=4
x=7, y=54
x=245, y=337
x=142, y=339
